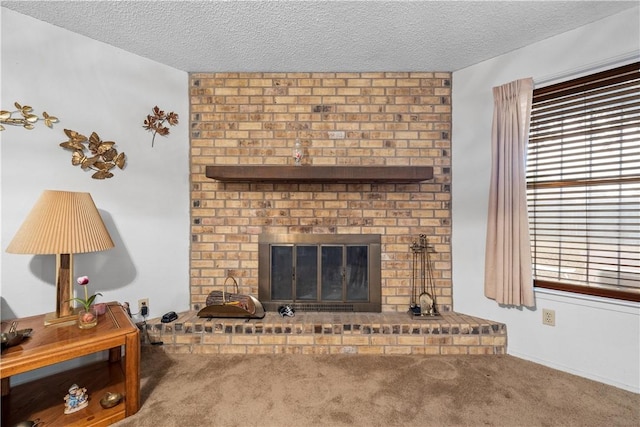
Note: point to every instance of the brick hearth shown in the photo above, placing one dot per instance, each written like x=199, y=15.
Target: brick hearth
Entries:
x=316, y=333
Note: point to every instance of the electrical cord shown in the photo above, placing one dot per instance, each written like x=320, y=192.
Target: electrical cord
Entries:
x=142, y=325
x=146, y=333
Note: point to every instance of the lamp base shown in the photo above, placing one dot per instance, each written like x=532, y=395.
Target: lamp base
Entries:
x=51, y=319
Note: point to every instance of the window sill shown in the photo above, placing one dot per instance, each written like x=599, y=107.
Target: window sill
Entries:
x=585, y=291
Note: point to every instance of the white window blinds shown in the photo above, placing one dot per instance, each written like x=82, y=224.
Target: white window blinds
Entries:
x=583, y=181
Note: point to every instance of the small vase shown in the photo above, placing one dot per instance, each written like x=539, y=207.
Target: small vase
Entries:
x=101, y=308
x=297, y=153
x=87, y=318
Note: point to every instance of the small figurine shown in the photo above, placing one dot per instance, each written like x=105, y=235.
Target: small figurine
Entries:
x=76, y=399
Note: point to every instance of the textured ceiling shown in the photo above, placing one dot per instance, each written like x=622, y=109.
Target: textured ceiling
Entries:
x=318, y=35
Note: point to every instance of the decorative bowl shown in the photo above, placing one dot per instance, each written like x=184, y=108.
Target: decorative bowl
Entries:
x=9, y=339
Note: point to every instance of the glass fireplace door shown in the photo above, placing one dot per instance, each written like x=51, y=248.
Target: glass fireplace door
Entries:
x=332, y=273
x=357, y=273
x=306, y=273
x=320, y=272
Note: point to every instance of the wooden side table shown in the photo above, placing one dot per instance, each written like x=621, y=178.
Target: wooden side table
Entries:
x=44, y=398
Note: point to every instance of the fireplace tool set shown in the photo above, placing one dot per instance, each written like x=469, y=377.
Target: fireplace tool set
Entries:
x=422, y=305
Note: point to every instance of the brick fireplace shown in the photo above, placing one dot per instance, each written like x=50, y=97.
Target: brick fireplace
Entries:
x=365, y=140
x=341, y=120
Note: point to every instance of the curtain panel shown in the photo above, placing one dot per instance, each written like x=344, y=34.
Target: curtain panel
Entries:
x=508, y=271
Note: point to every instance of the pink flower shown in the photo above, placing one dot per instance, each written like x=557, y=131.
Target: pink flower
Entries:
x=88, y=300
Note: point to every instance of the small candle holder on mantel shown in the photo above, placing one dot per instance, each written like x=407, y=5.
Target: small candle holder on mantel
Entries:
x=297, y=153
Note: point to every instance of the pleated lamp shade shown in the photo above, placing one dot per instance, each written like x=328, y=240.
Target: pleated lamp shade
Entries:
x=62, y=222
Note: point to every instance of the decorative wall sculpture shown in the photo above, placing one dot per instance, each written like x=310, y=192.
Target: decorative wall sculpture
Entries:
x=28, y=119
x=93, y=153
x=155, y=122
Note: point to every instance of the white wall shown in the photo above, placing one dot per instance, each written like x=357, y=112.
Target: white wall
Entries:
x=593, y=337
x=93, y=87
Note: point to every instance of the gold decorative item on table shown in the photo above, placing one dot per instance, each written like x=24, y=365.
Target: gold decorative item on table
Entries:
x=93, y=153
x=14, y=336
x=28, y=119
x=30, y=423
x=109, y=400
x=62, y=223
x=155, y=122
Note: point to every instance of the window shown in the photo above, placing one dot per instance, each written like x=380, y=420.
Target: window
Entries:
x=583, y=184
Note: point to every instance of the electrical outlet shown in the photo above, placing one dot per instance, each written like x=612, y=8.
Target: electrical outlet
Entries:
x=548, y=317
x=144, y=302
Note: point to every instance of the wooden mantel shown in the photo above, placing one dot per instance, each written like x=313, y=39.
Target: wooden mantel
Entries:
x=320, y=174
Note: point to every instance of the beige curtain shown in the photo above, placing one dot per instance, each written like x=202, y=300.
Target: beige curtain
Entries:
x=508, y=278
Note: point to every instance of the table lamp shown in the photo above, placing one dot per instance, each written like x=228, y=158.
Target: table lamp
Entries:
x=62, y=223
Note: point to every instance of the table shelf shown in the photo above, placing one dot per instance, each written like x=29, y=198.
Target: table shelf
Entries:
x=44, y=398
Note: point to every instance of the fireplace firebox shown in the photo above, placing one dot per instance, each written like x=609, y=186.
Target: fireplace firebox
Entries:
x=320, y=272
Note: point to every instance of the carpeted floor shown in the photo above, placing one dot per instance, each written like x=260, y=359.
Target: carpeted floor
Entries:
x=357, y=390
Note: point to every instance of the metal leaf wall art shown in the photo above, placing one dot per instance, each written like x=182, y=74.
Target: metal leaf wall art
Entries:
x=93, y=153
x=155, y=122
x=27, y=119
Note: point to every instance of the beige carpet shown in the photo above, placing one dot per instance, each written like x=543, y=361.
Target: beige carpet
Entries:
x=357, y=390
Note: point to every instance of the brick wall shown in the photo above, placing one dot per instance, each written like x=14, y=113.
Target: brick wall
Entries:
x=255, y=119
